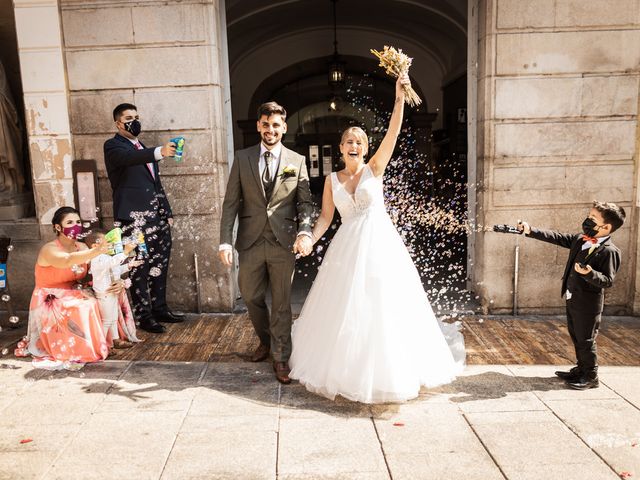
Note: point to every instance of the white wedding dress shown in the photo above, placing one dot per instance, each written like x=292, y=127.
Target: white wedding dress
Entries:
x=367, y=331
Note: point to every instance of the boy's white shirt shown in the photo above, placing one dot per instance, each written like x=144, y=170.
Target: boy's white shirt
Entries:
x=105, y=269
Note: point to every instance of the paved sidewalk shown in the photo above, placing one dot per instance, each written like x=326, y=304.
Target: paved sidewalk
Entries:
x=152, y=420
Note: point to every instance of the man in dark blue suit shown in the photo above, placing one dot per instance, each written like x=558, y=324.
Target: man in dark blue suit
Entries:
x=140, y=205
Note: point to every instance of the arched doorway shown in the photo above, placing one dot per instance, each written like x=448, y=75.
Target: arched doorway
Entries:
x=282, y=52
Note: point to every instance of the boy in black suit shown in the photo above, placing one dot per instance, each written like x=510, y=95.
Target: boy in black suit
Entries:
x=592, y=266
x=140, y=204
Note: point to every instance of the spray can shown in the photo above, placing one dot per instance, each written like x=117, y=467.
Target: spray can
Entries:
x=179, y=141
x=114, y=237
x=142, y=246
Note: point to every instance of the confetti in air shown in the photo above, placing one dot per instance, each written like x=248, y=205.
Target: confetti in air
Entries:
x=427, y=202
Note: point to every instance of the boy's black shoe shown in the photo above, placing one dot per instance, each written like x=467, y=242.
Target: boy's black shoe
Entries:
x=584, y=383
x=570, y=376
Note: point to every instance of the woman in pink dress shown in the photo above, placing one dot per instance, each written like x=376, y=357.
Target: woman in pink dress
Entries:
x=65, y=329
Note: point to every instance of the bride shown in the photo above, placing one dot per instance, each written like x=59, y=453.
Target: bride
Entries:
x=367, y=331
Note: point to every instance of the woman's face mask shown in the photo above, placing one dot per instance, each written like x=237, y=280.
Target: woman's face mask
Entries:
x=73, y=231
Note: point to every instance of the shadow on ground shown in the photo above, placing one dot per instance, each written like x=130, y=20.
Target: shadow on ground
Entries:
x=239, y=383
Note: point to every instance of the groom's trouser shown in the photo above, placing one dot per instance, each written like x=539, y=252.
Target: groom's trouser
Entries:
x=267, y=263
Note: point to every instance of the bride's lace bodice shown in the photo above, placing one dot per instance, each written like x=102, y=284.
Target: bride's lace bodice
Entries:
x=367, y=197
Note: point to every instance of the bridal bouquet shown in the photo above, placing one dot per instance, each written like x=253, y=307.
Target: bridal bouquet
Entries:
x=396, y=63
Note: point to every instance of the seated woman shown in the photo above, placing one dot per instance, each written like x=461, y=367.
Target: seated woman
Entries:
x=65, y=329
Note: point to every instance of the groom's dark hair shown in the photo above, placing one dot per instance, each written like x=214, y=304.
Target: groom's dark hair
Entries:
x=271, y=108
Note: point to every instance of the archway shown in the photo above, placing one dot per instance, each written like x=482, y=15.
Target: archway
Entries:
x=281, y=52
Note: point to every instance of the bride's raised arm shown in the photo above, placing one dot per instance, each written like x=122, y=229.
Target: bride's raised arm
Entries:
x=326, y=214
x=382, y=156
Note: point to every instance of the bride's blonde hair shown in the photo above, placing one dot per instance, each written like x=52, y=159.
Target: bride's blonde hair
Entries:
x=359, y=134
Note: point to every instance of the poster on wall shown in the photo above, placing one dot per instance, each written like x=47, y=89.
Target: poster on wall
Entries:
x=326, y=160
x=314, y=171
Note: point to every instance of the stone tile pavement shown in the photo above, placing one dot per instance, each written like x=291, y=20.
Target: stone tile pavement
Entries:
x=153, y=420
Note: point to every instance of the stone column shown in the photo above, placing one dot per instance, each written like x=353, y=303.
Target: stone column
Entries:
x=165, y=57
x=45, y=97
x=557, y=122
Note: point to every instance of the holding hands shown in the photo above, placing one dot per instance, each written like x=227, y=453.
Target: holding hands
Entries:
x=303, y=245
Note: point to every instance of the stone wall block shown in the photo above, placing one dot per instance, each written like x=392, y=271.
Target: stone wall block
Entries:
x=46, y=114
x=174, y=22
x=139, y=67
x=557, y=185
x=52, y=195
x=575, y=139
x=197, y=157
x=577, y=13
x=568, y=52
x=42, y=71
x=175, y=109
x=92, y=112
x=529, y=14
x=566, y=13
x=38, y=27
x=50, y=158
x=90, y=147
x=612, y=95
x=538, y=97
x=88, y=27
x=191, y=194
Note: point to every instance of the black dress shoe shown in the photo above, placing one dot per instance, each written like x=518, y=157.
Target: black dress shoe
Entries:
x=584, y=383
x=150, y=325
x=570, y=376
x=168, y=317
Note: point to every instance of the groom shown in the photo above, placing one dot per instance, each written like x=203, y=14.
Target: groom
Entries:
x=268, y=190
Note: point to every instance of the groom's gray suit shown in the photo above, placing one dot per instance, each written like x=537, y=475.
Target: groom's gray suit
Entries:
x=267, y=230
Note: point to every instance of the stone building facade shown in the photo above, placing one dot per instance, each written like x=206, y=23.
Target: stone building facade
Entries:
x=553, y=91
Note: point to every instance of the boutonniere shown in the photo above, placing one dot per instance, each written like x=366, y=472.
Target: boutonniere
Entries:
x=288, y=171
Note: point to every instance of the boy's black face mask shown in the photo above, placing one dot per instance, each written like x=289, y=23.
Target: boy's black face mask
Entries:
x=588, y=227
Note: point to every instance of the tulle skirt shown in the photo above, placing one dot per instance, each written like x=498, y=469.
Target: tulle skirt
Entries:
x=367, y=331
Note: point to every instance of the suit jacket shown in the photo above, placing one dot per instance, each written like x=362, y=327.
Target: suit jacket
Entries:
x=134, y=189
x=605, y=260
x=288, y=211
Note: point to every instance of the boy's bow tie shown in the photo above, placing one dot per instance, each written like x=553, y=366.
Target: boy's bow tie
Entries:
x=589, y=239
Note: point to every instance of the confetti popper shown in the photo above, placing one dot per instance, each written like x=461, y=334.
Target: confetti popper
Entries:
x=395, y=63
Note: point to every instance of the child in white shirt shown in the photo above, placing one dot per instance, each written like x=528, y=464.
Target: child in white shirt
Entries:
x=105, y=270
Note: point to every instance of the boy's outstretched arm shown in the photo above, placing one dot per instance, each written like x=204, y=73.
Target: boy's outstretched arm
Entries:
x=550, y=236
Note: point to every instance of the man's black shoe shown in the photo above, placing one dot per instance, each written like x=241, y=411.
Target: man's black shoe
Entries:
x=150, y=325
x=584, y=383
x=570, y=376
x=168, y=317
